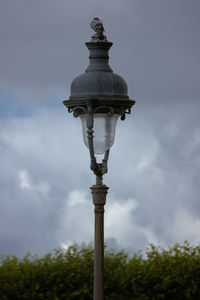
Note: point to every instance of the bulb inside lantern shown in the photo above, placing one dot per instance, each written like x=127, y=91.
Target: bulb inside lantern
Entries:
x=104, y=131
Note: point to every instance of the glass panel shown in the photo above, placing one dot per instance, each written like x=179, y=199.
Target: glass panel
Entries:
x=104, y=131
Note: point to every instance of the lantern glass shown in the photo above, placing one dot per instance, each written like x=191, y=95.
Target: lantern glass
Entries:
x=104, y=131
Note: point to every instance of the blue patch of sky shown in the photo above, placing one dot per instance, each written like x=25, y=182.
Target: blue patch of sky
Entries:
x=10, y=107
x=55, y=104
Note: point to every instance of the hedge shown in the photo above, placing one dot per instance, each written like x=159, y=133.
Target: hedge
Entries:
x=172, y=274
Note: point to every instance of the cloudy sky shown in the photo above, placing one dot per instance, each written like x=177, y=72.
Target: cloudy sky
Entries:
x=154, y=164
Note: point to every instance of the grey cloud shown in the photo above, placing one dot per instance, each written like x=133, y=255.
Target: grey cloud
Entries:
x=46, y=171
x=155, y=158
x=158, y=164
x=36, y=176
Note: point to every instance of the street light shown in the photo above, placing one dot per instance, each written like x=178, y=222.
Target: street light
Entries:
x=99, y=97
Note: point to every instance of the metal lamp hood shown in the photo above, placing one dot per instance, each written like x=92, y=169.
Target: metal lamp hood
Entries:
x=98, y=86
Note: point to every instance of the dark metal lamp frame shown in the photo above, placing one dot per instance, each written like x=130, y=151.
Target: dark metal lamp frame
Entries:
x=90, y=106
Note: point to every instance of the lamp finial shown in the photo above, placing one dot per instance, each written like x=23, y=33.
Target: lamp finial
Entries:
x=97, y=25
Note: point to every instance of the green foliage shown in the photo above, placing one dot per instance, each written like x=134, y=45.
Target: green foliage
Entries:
x=57, y=275
x=166, y=274
x=172, y=274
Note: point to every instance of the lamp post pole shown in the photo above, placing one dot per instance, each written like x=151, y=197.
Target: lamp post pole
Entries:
x=99, y=97
x=99, y=192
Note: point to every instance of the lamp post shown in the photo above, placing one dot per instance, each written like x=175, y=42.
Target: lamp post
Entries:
x=99, y=97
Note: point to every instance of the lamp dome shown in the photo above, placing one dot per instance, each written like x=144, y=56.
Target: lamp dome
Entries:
x=99, y=83
x=99, y=87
